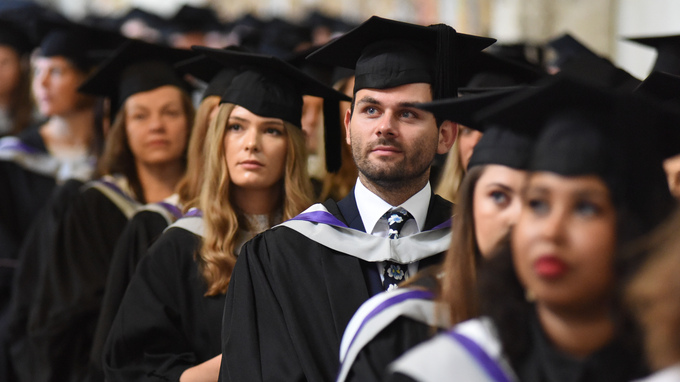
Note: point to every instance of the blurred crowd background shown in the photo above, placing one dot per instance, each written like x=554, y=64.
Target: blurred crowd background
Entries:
x=601, y=24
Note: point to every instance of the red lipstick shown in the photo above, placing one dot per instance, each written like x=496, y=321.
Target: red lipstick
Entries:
x=550, y=267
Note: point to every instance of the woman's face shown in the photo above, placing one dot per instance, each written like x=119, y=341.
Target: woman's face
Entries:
x=496, y=204
x=55, y=84
x=156, y=126
x=255, y=149
x=467, y=140
x=10, y=70
x=564, y=242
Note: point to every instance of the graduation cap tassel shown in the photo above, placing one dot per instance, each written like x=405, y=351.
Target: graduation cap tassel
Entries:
x=333, y=137
x=446, y=67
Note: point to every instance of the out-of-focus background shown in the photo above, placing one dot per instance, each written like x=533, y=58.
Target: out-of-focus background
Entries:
x=600, y=24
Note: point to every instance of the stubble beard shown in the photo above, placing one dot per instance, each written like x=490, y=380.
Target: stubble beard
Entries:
x=397, y=175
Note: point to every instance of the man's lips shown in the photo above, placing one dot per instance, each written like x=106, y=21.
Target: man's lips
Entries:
x=385, y=150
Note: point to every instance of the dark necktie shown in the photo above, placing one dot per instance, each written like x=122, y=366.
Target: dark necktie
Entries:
x=395, y=273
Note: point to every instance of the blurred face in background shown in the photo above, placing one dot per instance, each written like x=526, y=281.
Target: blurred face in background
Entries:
x=55, y=86
x=467, y=140
x=496, y=204
x=156, y=126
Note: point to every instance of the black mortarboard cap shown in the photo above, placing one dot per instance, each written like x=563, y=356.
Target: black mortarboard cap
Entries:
x=14, y=35
x=280, y=38
x=498, y=145
x=567, y=47
x=462, y=109
x=190, y=18
x=664, y=87
x=488, y=71
x=599, y=71
x=151, y=19
x=667, y=49
x=388, y=53
x=271, y=87
x=217, y=76
x=319, y=71
x=77, y=42
x=136, y=67
x=582, y=129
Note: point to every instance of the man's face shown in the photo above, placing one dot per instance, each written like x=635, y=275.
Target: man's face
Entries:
x=393, y=141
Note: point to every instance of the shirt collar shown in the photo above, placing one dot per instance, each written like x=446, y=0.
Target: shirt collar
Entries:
x=371, y=207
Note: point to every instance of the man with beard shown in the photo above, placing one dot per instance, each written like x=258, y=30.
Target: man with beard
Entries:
x=295, y=287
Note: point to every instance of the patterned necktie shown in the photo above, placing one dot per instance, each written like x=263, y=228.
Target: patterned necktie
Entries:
x=394, y=273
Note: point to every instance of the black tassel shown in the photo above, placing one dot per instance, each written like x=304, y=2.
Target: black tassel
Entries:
x=333, y=136
x=446, y=66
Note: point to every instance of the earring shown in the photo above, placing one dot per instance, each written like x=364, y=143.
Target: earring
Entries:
x=529, y=296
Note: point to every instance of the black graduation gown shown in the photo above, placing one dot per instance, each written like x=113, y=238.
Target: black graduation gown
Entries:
x=23, y=192
x=544, y=363
x=139, y=234
x=614, y=362
x=390, y=343
x=68, y=298
x=290, y=299
x=165, y=324
x=30, y=267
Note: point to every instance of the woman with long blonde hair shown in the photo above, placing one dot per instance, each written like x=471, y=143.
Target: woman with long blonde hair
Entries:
x=255, y=176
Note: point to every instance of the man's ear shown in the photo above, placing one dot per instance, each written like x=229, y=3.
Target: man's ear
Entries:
x=348, y=119
x=448, y=132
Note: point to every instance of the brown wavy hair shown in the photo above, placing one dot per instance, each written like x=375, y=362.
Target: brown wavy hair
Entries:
x=189, y=186
x=117, y=157
x=216, y=258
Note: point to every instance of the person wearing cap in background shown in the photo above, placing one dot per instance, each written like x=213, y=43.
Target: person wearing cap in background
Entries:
x=50, y=152
x=485, y=72
x=143, y=159
x=62, y=147
x=665, y=87
x=194, y=26
x=663, y=76
x=390, y=323
x=147, y=224
x=295, y=287
x=552, y=297
x=169, y=323
x=142, y=25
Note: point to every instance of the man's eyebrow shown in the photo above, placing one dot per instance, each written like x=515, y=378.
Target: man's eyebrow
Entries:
x=369, y=99
x=409, y=104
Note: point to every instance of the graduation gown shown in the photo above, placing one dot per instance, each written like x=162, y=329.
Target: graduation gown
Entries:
x=68, y=297
x=385, y=327
x=165, y=323
x=139, y=234
x=291, y=297
x=29, y=175
x=472, y=352
x=30, y=267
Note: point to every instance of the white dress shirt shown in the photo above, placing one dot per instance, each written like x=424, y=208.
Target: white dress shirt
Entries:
x=372, y=208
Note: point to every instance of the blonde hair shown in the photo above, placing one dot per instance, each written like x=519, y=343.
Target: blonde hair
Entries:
x=653, y=295
x=189, y=186
x=451, y=175
x=117, y=157
x=216, y=258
